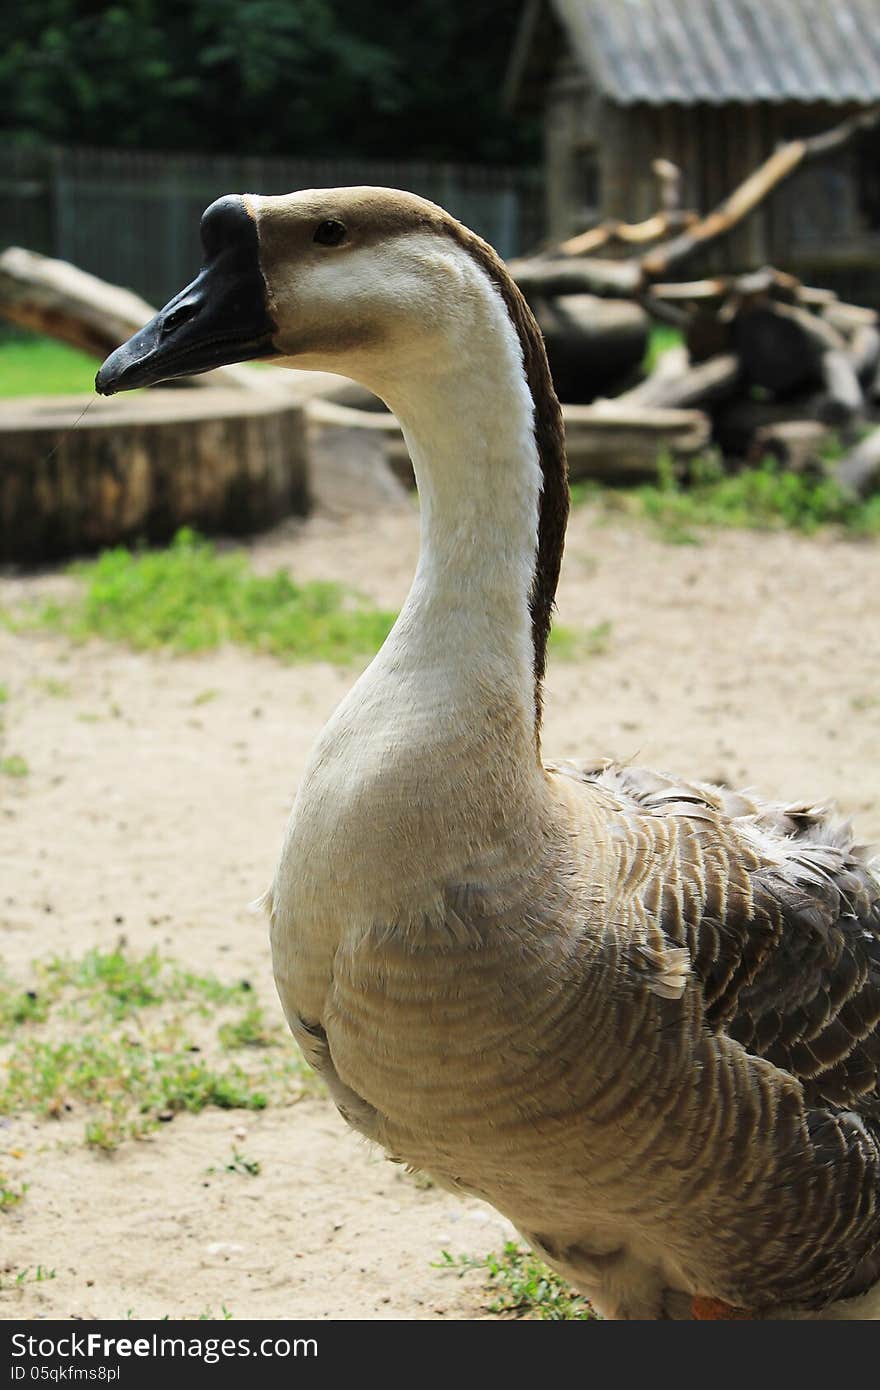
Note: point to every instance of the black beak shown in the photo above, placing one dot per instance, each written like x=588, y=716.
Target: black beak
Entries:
x=221, y=317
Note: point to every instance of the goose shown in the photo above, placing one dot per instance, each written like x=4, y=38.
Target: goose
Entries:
x=638, y=1015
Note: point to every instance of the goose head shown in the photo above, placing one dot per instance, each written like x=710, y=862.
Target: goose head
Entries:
x=388, y=289
x=371, y=283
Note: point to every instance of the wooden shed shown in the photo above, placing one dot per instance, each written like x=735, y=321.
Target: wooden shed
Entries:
x=714, y=86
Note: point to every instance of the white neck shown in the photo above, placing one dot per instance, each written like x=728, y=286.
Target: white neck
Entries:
x=469, y=430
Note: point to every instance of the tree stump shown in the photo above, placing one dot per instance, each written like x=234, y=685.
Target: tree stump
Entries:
x=141, y=466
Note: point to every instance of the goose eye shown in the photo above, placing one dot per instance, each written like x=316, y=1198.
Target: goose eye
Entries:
x=330, y=233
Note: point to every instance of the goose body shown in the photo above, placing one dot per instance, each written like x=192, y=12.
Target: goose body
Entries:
x=638, y=1016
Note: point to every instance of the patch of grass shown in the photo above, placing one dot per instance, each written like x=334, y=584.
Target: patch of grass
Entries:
x=130, y=1041
x=522, y=1286
x=40, y=1275
x=761, y=499
x=192, y=598
x=31, y=365
x=574, y=644
x=4, y=693
x=245, y=1167
x=14, y=766
x=11, y=1193
x=59, y=690
x=250, y=1030
x=660, y=340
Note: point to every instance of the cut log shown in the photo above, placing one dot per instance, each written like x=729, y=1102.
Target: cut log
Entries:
x=864, y=351
x=539, y=276
x=847, y=318
x=703, y=384
x=142, y=466
x=58, y=299
x=614, y=444
x=794, y=444
x=591, y=343
x=736, y=422
x=859, y=470
x=843, y=394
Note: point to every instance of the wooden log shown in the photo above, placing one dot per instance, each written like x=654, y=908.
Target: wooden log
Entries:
x=859, y=470
x=794, y=444
x=142, y=466
x=627, y=233
x=864, y=352
x=848, y=318
x=611, y=444
x=540, y=276
x=843, y=393
x=736, y=422
x=591, y=343
x=64, y=302
x=702, y=384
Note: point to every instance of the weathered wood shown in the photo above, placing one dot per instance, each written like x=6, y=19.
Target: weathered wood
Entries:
x=591, y=343
x=142, y=466
x=848, y=318
x=859, y=470
x=864, y=351
x=794, y=444
x=540, y=276
x=752, y=191
x=843, y=392
x=59, y=299
x=702, y=384
x=627, y=233
x=736, y=422
x=612, y=444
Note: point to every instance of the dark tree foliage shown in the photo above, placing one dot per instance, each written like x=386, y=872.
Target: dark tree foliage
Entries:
x=295, y=77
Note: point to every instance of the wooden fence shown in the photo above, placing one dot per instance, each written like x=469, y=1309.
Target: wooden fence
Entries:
x=132, y=217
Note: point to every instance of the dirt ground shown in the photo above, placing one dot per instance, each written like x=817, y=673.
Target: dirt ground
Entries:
x=749, y=659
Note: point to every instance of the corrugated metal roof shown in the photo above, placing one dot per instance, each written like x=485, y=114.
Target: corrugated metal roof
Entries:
x=688, y=51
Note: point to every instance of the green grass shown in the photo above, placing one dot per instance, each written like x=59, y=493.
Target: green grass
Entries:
x=577, y=644
x=660, y=340
x=192, y=598
x=36, y=366
x=521, y=1286
x=14, y=766
x=40, y=1275
x=126, y=1042
x=760, y=499
x=11, y=1193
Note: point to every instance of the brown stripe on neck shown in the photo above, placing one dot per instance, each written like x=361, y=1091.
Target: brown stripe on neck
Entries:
x=550, y=441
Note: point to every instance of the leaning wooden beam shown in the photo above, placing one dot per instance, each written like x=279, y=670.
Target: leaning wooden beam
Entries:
x=628, y=233
x=67, y=303
x=704, y=384
x=744, y=199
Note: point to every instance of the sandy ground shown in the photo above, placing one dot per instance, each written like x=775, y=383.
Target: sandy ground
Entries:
x=754, y=660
